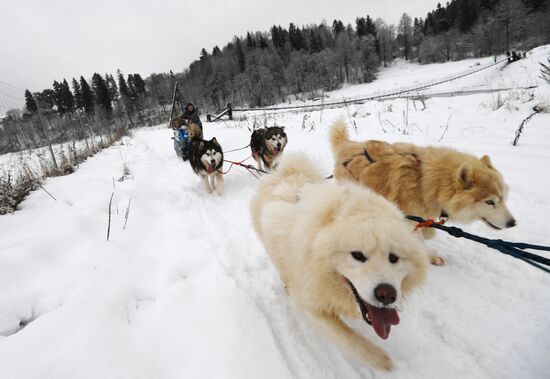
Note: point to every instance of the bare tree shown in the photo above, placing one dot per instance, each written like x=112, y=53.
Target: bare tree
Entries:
x=405, y=32
x=386, y=38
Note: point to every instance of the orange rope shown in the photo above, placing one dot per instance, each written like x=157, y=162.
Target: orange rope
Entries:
x=428, y=223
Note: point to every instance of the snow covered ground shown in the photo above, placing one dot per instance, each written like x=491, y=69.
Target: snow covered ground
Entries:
x=187, y=291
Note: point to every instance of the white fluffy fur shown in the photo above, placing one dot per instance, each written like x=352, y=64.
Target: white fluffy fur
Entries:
x=309, y=226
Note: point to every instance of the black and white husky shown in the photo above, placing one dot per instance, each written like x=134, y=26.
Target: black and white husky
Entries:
x=267, y=145
x=206, y=158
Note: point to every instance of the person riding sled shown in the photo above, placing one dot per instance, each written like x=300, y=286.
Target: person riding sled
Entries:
x=181, y=138
x=191, y=113
x=186, y=127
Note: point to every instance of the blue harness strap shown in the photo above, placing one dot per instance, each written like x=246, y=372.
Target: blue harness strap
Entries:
x=513, y=249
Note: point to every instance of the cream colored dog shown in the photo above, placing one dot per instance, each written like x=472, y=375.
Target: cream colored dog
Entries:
x=425, y=181
x=341, y=250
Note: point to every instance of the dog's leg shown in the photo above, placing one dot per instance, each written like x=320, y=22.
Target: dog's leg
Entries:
x=435, y=259
x=218, y=180
x=353, y=343
x=259, y=162
x=212, y=182
x=206, y=183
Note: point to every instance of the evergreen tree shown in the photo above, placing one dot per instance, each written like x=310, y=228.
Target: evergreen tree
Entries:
x=295, y=37
x=428, y=24
x=250, y=41
x=77, y=95
x=29, y=102
x=337, y=28
x=361, y=26
x=315, y=43
x=216, y=51
x=67, y=95
x=46, y=99
x=369, y=58
x=467, y=15
x=125, y=94
x=370, y=26
x=88, y=101
x=111, y=86
x=139, y=84
x=101, y=92
x=132, y=87
x=277, y=37
x=263, y=42
x=240, y=55
x=58, y=97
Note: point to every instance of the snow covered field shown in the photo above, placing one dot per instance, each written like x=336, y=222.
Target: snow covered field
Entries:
x=186, y=290
x=39, y=159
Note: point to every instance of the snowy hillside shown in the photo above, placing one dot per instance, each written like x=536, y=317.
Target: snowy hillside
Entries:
x=186, y=290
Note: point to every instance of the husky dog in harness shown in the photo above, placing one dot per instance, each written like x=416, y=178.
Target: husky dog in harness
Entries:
x=267, y=145
x=206, y=159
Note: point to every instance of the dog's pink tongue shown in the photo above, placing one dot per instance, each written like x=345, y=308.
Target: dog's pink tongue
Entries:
x=210, y=169
x=382, y=319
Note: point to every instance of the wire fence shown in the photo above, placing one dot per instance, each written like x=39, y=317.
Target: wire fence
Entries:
x=378, y=95
x=12, y=100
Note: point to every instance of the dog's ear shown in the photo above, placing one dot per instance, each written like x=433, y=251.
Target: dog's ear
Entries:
x=215, y=141
x=201, y=145
x=464, y=174
x=332, y=207
x=486, y=161
x=283, y=128
x=327, y=215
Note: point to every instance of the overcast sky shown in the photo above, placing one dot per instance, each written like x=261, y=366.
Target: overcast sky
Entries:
x=44, y=40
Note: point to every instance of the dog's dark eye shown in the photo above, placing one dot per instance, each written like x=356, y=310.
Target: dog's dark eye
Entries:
x=357, y=255
x=490, y=202
x=393, y=258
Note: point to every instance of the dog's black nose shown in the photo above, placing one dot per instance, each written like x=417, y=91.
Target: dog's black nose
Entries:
x=385, y=293
x=511, y=223
x=213, y=161
x=278, y=144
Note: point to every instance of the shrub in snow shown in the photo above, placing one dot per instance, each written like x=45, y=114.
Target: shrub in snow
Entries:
x=14, y=190
x=543, y=107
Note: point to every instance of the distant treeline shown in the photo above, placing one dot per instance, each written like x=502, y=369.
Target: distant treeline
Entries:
x=269, y=67
x=88, y=109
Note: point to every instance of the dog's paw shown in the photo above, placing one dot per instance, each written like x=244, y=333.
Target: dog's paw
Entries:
x=384, y=362
x=437, y=260
x=375, y=356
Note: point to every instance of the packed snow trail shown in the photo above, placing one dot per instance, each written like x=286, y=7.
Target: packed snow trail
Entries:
x=186, y=290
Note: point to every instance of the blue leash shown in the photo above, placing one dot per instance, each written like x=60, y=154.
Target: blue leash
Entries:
x=514, y=249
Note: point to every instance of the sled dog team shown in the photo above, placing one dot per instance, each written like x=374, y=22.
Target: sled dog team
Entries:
x=343, y=248
x=206, y=156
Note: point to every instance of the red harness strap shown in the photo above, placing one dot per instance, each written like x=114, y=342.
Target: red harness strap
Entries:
x=428, y=223
x=233, y=163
